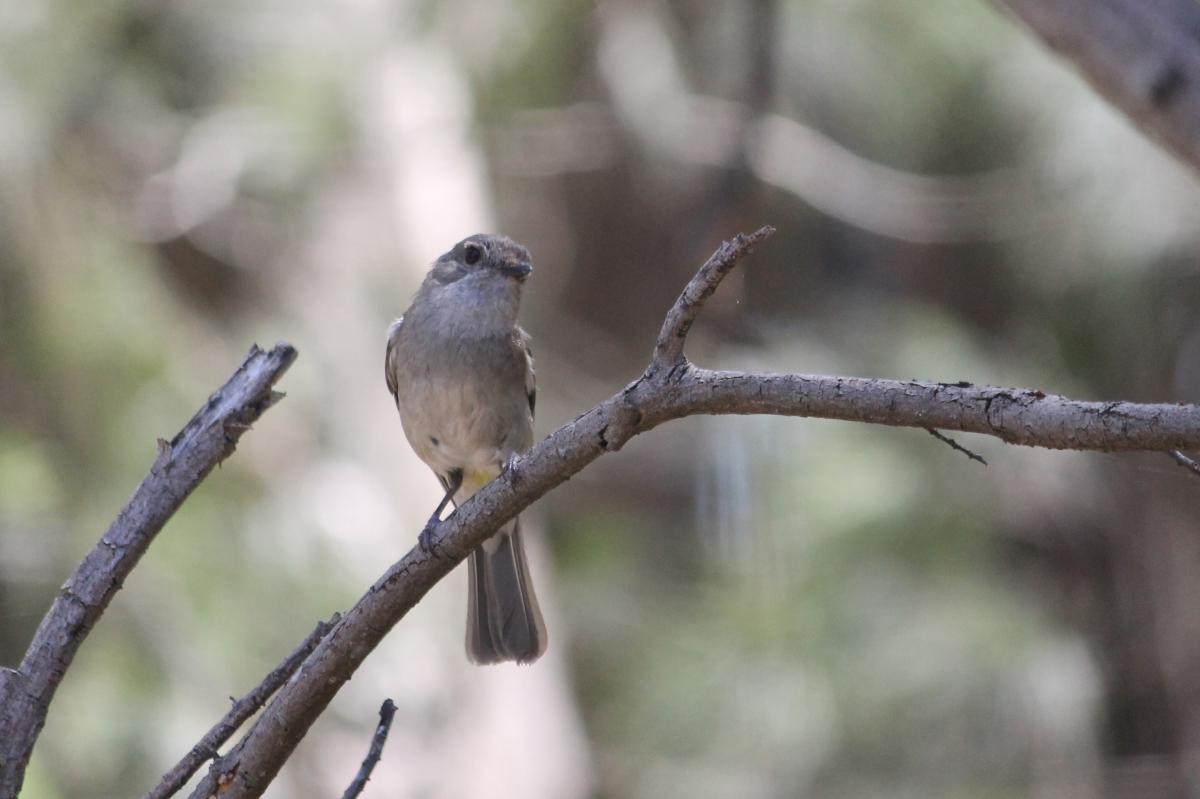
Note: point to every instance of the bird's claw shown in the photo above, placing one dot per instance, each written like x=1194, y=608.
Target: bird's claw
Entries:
x=426, y=540
x=510, y=466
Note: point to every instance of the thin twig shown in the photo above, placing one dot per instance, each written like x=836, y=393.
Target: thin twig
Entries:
x=668, y=350
x=1184, y=461
x=206, y=440
x=206, y=749
x=1020, y=416
x=955, y=445
x=386, y=712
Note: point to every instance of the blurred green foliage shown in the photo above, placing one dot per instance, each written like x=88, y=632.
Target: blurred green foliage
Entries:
x=759, y=608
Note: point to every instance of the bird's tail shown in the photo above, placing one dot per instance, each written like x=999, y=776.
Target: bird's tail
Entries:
x=504, y=621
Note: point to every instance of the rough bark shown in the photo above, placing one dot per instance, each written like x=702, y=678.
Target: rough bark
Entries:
x=206, y=440
x=671, y=388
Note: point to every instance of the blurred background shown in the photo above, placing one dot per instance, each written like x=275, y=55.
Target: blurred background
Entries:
x=752, y=607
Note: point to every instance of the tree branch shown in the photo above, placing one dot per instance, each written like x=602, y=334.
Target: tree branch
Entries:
x=668, y=350
x=1142, y=55
x=386, y=712
x=205, y=441
x=206, y=749
x=1185, y=461
x=1020, y=416
x=1024, y=416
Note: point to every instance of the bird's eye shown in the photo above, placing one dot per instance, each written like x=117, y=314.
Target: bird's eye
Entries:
x=472, y=253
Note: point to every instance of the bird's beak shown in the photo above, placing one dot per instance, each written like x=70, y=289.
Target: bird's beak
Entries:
x=518, y=270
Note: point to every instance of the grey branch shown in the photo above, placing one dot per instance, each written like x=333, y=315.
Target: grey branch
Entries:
x=206, y=440
x=244, y=708
x=386, y=712
x=1185, y=461
x=668, y=350
x=1023, y=416
x=1142, y=55
x=671, y=388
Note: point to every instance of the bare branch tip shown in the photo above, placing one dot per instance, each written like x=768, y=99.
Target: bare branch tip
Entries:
x=281, y=356
x=284, y=351
x=1184, y=461
x=743, y=243
x=668, y=349
x=386, y=712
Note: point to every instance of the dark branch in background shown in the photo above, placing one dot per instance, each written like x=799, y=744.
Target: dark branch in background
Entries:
x=672, y=388
x=950, y=442
x=1141, y=55
x=242, y=709
x=373, y=754
x=1184, y=461
x=205, y=441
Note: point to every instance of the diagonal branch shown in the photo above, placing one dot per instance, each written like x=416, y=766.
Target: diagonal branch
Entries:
x=1020, y=416
x=1141, y=55
x=206, y=440
x=206, y=749
x=386, y=712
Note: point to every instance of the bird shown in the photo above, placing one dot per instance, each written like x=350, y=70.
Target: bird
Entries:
x=460, y=369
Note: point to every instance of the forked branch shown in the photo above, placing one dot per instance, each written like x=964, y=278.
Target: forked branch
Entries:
x=671, y=388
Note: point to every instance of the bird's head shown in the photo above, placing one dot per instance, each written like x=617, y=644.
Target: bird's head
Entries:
x=483, y=257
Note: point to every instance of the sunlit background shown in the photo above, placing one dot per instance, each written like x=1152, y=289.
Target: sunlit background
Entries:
x=749, y=607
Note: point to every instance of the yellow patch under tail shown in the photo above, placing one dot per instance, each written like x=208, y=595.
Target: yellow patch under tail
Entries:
x=477, y=479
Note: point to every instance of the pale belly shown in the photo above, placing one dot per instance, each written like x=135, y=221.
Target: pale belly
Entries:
x=453, y=424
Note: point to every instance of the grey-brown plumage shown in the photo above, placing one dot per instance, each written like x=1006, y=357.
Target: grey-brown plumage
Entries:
x=461, y=371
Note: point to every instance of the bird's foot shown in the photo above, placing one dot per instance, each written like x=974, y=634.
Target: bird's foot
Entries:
x=426, y=539
x=510, y=467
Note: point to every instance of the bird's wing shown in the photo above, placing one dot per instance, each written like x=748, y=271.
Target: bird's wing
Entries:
x=389, y=368
x=530, y=376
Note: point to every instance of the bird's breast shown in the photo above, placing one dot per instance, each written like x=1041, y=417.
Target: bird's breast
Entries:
x=463, y=408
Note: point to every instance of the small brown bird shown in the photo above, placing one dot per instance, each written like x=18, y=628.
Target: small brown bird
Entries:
x=461, y=371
